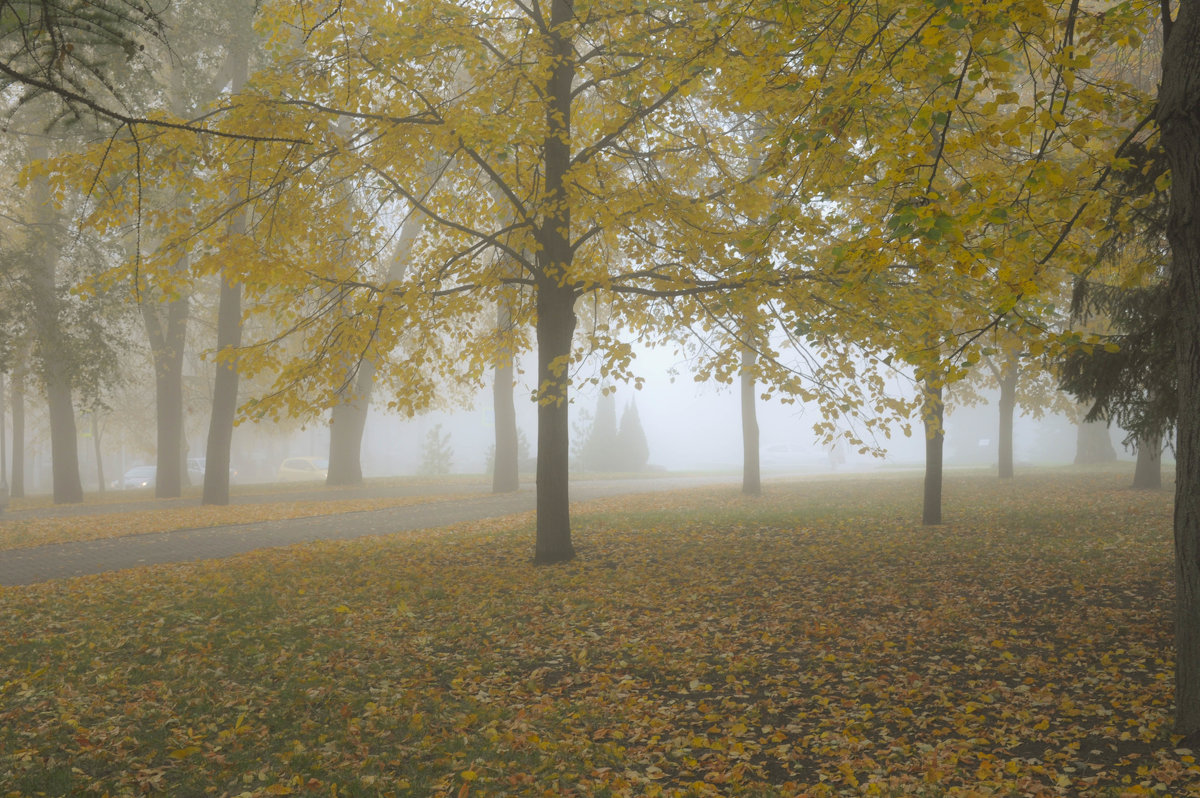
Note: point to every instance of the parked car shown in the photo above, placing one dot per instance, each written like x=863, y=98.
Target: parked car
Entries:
x=303, y=469
x=139, y=477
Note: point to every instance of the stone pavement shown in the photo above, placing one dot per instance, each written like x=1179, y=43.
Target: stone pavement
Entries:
x=62, y=560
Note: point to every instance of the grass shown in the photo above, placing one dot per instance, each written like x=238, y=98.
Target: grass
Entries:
x=815, y=641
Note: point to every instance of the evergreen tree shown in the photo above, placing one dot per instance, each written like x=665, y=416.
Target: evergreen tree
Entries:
x=631, y=440
x=602, y=451
x=436, y=457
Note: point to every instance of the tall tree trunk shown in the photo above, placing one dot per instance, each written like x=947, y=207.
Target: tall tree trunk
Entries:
x=1093, y=443
x=166, y=345
x=349, y=416
x=17, y=488
x=225, y=386
x=1179, y=121
x=347, y=422
x=56, y=368
x=555, y=303
x=218, y=452
x=935, y=437
x=555, y=329
x=505, y=466
x=1008, y=405
x=1147, y=474
x=100, y=486
x=751, y=470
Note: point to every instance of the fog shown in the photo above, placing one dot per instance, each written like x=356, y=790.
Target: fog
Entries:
x=689, y=427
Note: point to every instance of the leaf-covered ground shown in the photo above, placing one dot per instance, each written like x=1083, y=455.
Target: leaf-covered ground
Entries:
x=26, y=532
x=813, y=642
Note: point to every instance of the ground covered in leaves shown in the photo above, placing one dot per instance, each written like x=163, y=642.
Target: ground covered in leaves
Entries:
x=816, y=641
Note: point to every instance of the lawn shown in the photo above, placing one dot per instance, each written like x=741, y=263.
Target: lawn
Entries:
x=815, y=641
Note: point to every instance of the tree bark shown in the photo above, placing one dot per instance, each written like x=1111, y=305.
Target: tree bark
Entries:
x=555, y=329
x=751, y=467
x=555, y=303
x=1147, y=473
x=218, y=452
x=347, y=423
x=506, y=476
x=1179, y=121
x=16, y=488
x=1008, y=405
x=56, y=366
x=100, y=486
x=935, y=437
x=166, y=346
x=1093, y=444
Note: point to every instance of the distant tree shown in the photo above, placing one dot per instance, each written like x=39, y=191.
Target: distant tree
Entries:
x=601, y=450
x=632, y=448
x=436, y=457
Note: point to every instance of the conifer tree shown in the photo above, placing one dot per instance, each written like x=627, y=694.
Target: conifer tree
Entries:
x=632, y=448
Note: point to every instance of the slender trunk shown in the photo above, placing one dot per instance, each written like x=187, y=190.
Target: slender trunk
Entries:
x=751, y=471
x=1008, y=404
x=100, y=486
x=1179, y=121
x=347, y=423
x=1147, y=474
x=935, y=436
x=218, y=452
x=17, y=488
x=505, y=467
x=555, y=304
x=166, y=344
x=225, y=386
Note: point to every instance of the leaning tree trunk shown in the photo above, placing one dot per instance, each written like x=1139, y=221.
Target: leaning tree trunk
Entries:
x=555, y=302
x=506, y=476
x=1147, y=474
x=16, y=488
x=1008, y=405
x=751, y=467
x=1179, y=121
x=218, y=452
x=935, y=437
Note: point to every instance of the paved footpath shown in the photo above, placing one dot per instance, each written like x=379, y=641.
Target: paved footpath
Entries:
x=62, y=560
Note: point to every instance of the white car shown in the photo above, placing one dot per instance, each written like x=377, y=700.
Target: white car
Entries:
x=303, y=469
